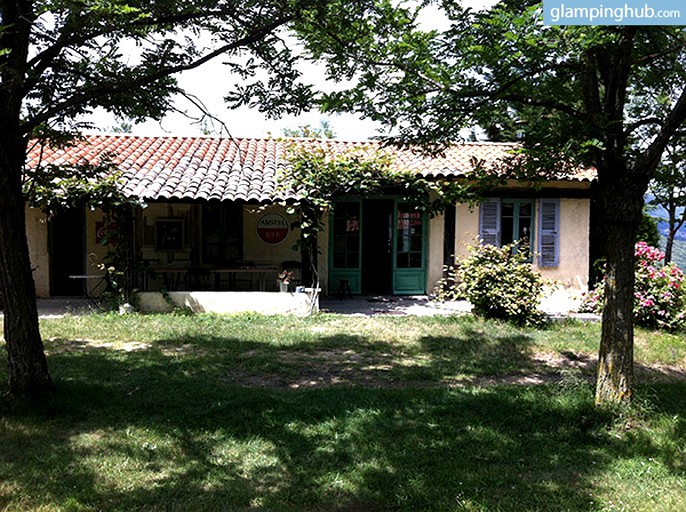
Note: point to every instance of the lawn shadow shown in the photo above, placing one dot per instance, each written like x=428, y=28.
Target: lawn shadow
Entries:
x=476, y=355
x=353, y=360
x=163, y=428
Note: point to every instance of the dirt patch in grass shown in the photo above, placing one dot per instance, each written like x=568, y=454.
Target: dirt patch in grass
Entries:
x=61, y=345
x=331, y=368
x=289, y=369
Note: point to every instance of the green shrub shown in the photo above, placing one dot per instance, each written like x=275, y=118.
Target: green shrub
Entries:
x=498, y=282
x=447, y=289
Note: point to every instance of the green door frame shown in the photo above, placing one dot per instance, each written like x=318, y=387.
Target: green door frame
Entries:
x=406, y=279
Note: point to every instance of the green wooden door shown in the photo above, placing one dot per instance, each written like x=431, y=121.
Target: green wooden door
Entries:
x=349, y=255
x=409, y=272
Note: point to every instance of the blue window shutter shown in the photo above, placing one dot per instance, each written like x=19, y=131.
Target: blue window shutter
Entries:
x=489, y=222
x=548, y=234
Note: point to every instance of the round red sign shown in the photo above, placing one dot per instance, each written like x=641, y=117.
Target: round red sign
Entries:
x=272, y=228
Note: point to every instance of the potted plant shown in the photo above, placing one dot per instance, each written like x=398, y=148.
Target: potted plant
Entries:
x=284, y=279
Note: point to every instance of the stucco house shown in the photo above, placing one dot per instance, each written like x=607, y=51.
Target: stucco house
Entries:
x=213, y=221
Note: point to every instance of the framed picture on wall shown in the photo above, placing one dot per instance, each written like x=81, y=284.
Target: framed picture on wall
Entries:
x=170, y=234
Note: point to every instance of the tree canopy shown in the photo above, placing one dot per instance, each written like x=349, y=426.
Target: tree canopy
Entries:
x=610, y=97
x=668, y=190
x=60, y=59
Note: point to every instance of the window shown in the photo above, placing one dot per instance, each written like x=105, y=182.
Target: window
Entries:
x=222, y=233
x=516, y=221
x=506, y=221
x=346, y=235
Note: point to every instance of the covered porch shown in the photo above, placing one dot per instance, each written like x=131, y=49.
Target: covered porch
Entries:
x=203, y=246
x=216, y=246
x=203, y=256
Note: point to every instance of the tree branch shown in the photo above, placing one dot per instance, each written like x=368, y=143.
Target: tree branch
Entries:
x=84, y=95
x=538, y=102
x=75, y=34
x=647, y=162
x=642, y=122
x=652, y=57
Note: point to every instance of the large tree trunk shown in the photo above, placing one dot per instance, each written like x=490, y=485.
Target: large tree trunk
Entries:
x=28, y=369
x=597, y=238
x=622, y=205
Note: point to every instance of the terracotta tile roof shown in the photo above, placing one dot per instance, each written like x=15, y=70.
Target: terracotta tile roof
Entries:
x=192, y=168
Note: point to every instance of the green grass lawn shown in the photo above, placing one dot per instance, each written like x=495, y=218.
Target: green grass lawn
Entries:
x=332, y=413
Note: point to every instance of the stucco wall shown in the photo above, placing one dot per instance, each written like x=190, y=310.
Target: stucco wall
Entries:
x=267, y=303
x=574, y=233
x=37, y=237
x=434, y=270
x=259, y=251
x=574, y=230
x=466, y=229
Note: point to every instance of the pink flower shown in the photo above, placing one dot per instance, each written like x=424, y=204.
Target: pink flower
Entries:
x=648, y=302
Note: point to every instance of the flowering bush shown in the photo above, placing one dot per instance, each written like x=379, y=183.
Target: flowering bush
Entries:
x=499, y=283
x=285, y=276
x=659, y=295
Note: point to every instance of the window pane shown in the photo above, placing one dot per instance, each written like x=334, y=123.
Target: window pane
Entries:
x=507, y=209
x=409, y=238
x=516, y=223
x=346, y=234
x=507, y=230
x=524, y=229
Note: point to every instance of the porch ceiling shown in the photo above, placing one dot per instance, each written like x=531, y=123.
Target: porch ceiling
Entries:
x=231, y=169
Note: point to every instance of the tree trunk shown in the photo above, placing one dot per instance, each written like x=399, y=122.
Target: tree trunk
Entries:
x=669, y=247
x=28, y=369
x=623, y=205
x=671, y=232
x=597, y=238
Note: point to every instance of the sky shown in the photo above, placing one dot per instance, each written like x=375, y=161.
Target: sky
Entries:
x=208, y=84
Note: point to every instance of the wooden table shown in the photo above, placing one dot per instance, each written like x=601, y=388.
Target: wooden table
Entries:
x=172, y=276
x=232, y=272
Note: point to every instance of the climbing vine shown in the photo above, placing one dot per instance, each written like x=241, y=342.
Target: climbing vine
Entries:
x=56, y=188
x=318, y=178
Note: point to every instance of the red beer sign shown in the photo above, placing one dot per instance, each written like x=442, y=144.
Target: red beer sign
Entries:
x=272, y=228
